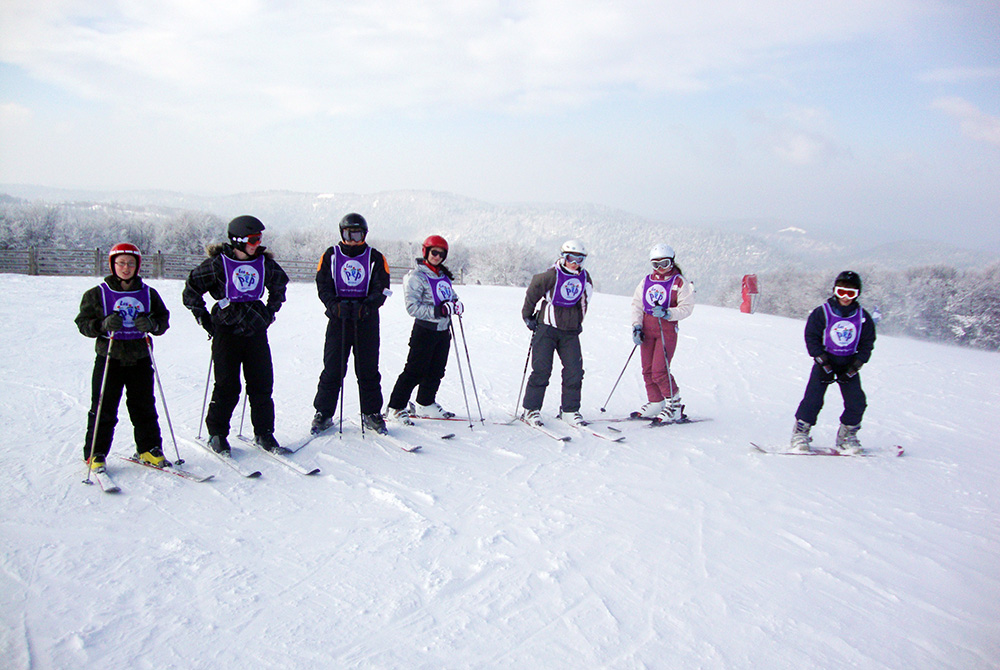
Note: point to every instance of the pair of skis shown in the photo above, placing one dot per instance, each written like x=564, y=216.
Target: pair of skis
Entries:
x=584, y=428
x=109, y=485
x=897, y=450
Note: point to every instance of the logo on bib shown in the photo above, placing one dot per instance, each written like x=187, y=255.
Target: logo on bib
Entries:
x=352, y=272
x=444, y=292
x=571, y=289
x=656, y=295
x=245, y=278
x=843, y=333
x=128, y=309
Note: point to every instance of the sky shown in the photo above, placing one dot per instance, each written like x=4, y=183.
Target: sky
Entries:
x=867, y=118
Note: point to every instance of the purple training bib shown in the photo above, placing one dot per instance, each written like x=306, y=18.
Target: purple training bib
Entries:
x=842, y=333
x=128, y=304
x=244, y=279
x=657, y=293
x=351, y=275
x=568, y=289
x=441, y=290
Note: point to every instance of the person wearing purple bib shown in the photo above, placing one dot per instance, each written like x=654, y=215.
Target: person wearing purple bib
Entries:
x=431, y=300
x=840, y=337
x=240, y=276
x=554, y=306
x=121, y=313
x=353, y=282
x=660, y=301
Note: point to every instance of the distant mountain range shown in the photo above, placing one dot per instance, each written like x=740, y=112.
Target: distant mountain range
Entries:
x=618, y=240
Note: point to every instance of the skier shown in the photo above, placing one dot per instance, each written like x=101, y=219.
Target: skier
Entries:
x=236, y=275
x=660, y=301
x=840, y=336
x=121, y=313
x=430, y=300
x=353, y=282
x=563, y=292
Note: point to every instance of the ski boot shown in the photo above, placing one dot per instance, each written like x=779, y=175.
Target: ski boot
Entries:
x=574, y=419
x=432, y=411
x=154, y=457
x=320, y=423
x=800, y=437
x=374, y=421
x=97, y=462
x=533, y=417
x=267, y=442
x=847, y=440
x=400, y=416
x=672, y=412
x=220, y=445
x=649, y=410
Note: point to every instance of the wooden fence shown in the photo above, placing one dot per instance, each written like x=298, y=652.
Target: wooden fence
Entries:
x=76, y=262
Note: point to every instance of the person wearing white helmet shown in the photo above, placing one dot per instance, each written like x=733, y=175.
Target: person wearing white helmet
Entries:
x=661, y=299
x=120, y=314
x=554, y=306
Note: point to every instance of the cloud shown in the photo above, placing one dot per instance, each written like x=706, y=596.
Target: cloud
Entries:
x=13, y=115
x=280, y=60
x=972, y=121
x=958, y=75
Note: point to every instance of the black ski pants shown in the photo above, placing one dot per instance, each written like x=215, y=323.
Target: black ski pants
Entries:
x=545, y=343
x=855, y=401
x=252, y=353
x=136, y=381
x=424, y=369
x=343, y=336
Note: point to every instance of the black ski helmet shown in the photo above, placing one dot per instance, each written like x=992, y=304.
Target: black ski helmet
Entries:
x=848, y=278
x=243, y=226
x=355, y=221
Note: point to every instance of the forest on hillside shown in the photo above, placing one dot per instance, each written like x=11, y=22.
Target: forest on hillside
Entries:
x=933, y=302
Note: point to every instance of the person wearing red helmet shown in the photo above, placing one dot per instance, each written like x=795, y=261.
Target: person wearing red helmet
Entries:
x=431, y=300
x=120, y=313
x=840, y=337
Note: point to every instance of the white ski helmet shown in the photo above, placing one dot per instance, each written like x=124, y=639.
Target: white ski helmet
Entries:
x=661, y=251
x=573, y=247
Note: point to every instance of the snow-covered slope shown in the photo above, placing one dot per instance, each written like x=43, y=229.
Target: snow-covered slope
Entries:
x=678, y=548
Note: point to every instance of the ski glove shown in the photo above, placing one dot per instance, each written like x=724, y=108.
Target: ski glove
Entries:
x=205, y=321
x=661, y=312
x=144, y=324
x=824, y=362
x=637, y=334
x=112, y=322
x=531, y=322
x=458, y=308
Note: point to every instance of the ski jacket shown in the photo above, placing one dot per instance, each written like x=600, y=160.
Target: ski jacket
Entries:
x=815, y=335
x=419, y=297
x=681, y=303
x=541, y=288
x=378, y=283
x=240, y=318
x=88, y=321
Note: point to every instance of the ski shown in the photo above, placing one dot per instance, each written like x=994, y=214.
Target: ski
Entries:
x=104, y=480
x=169, y=469
x=229, y=461
x=822, y=451
x=281, y=458
x=546, y=432
x=587, y=428
x=656, y=423
x=386, y=438
x=292, y=447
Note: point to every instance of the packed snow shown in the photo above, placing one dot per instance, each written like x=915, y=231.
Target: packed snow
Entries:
x=502, y=548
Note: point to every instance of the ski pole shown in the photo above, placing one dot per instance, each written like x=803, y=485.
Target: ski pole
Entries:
x=361, y=409
x=163, y=399
x=604, y=408
x=524, y=375
x=243, y=414
x=100, y=405
x=208, y=380
x=666, y=359
x=475, y=392
x=342, y=371
x=458, y=361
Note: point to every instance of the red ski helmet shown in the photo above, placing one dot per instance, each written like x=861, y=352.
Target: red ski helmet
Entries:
x=434, y=241
x=124, y=248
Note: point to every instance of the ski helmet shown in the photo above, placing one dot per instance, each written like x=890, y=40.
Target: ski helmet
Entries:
x=848, y=278
x=354, y=221
x=661, y=250
x=243, y=226
x=434, y=241
x=124, y=248
x=573, y=247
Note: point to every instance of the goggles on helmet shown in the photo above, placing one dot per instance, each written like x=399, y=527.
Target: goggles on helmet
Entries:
x=574, y=258
x=846, y=292
x=662, y=263
x=249, y=239
x=353, y=234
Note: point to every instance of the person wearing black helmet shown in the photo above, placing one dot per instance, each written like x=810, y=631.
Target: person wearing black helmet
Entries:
x=120, y=313
x=431, y=300
x=840, y=337
x=237, y=275
x=353, y=282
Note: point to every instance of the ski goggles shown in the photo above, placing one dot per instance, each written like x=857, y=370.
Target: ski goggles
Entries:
x=249, y=239
x=846, y=292
x=574, y=258
x=663, y=263
x=353, y=234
